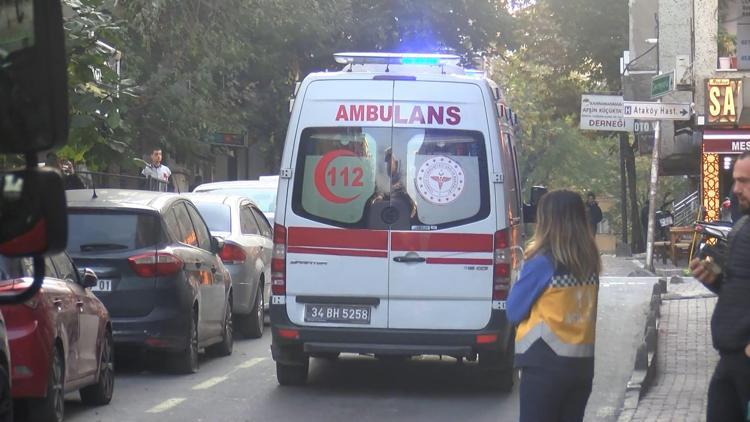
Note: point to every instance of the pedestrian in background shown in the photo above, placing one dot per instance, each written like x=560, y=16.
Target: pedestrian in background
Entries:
x=729, y=389
x=157, y=173
x=70, y=178
x=553, y=305
x=594, y=212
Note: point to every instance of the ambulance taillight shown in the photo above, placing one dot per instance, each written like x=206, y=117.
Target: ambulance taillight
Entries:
x=278, y=261
x=502, y=266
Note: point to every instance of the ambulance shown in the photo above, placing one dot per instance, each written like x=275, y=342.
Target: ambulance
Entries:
x=398, y=227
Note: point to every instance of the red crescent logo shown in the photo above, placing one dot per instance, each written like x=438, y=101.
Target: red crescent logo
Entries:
x=320, y=176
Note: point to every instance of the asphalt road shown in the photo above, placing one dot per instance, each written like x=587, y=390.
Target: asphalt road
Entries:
x=243, y=387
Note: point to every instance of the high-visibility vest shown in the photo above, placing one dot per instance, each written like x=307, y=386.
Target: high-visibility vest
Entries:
x=564, y=317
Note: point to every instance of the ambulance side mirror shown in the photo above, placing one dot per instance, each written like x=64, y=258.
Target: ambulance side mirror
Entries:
x=529, y=210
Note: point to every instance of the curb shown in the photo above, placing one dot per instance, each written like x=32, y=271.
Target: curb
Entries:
x=645, y=356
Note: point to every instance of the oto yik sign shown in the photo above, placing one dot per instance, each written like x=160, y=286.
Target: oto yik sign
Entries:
x=604, y=112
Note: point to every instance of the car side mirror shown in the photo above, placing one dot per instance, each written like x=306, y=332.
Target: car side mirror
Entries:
x=88, y=278
x=33, y=78
x=217, y=244
x=33, y=212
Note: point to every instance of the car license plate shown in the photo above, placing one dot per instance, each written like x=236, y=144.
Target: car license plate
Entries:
x=666, y=221
x=102, y=286
x=350, y=314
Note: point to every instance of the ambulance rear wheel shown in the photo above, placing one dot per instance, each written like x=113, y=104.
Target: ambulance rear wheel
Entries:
x=497, y=370
x=295, y=374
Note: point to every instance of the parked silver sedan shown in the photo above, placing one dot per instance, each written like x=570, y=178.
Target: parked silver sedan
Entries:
x=248, y=243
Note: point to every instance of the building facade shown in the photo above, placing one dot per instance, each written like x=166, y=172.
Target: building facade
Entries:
x=706, y=43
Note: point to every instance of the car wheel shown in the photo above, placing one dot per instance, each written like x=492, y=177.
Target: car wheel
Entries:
x=6, y=401
x=101, y=393
x=187, y=361
x=254, y=322
x=295, y=374
x=52, y=407
x=227, y=336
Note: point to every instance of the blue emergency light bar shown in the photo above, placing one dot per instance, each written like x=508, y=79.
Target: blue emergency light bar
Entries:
x=397, y=58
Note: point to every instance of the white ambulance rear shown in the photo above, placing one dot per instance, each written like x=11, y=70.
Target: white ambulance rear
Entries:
x=398, y=225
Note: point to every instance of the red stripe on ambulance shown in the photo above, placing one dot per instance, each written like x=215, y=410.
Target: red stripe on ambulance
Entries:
x=338, y=238
x=441, y=242
x=459, y=261
x=338, y=252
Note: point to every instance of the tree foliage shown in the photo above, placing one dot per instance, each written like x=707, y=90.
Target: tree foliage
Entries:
x=97, y=130
x=231, y=65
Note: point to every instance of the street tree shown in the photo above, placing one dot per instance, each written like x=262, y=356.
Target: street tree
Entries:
x=97, y=131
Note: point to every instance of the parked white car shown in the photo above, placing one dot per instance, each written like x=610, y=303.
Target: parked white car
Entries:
x=262, y=192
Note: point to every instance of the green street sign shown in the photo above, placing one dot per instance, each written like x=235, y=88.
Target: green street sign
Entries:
x=662, y=84
x=227, y=139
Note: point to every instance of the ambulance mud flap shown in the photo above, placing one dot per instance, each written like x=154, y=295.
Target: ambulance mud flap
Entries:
x=288, y=354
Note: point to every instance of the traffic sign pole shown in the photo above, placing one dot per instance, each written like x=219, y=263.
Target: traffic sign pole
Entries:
x=654, y=183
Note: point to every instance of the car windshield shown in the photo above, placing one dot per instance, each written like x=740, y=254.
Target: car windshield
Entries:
x=217, y=216
x=94, y=231
x=263, y=196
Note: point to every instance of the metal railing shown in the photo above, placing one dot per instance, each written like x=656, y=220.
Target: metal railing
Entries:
x=100, y=180
x=685, y=210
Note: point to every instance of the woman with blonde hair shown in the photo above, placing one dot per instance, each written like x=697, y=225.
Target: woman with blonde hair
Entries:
x=553, y=306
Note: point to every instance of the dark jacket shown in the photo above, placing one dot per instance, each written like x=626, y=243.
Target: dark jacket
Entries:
x=595, y=214
x=730, y=323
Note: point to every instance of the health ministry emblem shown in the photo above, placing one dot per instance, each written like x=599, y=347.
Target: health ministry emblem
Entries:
x=440, y=180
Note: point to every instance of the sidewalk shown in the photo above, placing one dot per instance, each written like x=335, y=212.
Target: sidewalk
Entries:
x=685, y=356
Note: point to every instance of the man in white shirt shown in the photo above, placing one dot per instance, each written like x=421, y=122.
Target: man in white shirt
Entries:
x=157, y=173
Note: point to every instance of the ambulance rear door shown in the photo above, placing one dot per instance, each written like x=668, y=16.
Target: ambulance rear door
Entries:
x=441, y=260
x=337, y=259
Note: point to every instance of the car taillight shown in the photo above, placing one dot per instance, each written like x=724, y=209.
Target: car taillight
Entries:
x=232, y=254
x=155, y=264
x=502, y=269
x=278, y=261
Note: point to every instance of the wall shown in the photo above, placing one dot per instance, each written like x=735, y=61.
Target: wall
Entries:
x=642, y=25
x=675, y=38
x=706, y=51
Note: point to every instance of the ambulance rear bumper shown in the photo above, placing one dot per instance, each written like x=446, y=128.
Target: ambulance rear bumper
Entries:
x=289, y=340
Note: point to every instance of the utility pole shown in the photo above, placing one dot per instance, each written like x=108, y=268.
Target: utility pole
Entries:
x=624, y=189
x=654, y=182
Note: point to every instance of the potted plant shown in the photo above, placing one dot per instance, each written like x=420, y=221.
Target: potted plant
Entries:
x=727, y=46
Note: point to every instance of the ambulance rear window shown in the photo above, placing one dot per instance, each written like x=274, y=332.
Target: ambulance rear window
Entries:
x=383, y=178
x=337, y=173
x=445, y=175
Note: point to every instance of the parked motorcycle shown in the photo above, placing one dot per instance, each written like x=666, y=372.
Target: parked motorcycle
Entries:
x=714, y=241
x=664, y=220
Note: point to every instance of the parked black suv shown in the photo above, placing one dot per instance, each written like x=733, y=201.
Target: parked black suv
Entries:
x=160, y=275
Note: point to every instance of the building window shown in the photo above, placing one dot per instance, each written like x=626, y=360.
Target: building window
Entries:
x=733, y=37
